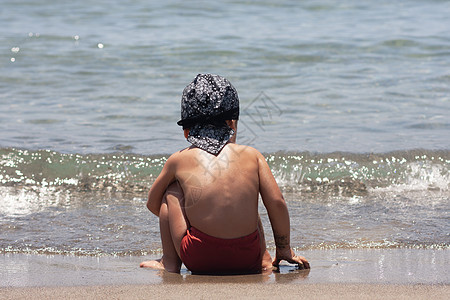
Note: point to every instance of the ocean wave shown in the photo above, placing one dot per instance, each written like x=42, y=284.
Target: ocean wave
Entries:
x=348, y=174
x=94, y=205
x=328, y=174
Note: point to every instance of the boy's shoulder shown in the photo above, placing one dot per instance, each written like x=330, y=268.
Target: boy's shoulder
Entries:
x=241, y=153
x=178, y=155
x=232, y=148
x=230, y=151
x=239, y=148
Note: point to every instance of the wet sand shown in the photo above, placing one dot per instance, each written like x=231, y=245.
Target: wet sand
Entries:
x=341, y=274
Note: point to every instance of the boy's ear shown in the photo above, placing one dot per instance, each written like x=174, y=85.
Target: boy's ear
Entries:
x=231, y=124
x=186, y=133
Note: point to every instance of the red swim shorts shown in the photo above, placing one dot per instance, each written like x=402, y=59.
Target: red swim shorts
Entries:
x=205, y=254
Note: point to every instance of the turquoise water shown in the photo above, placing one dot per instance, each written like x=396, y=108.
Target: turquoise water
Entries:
x=347, y=99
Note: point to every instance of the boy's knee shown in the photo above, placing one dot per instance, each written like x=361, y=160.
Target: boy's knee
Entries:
x=163, y=210
x=174, y=190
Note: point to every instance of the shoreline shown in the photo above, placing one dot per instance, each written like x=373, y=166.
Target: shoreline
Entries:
x=334, y=274
x=339, y=266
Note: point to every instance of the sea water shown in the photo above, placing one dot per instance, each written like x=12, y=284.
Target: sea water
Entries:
x=348, y=101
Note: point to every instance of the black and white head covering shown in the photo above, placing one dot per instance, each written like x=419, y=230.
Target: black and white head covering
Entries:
x=206, y=103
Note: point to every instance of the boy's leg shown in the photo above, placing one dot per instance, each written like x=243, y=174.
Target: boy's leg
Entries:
x=178, y=222
x=265, y=255
x=173, y=226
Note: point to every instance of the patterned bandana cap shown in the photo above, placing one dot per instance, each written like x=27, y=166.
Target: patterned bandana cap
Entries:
x=206, y=103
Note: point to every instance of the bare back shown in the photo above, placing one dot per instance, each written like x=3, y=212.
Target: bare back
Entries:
x=221, y=192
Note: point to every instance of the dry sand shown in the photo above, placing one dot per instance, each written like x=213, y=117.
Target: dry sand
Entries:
x=233, y=291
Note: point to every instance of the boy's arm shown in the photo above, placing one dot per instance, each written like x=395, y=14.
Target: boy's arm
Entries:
x=164, y=179
x=278, y=215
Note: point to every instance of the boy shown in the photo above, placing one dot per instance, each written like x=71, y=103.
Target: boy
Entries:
x=206, y=196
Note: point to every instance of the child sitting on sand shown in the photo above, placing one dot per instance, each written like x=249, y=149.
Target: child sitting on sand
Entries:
x=206, y=196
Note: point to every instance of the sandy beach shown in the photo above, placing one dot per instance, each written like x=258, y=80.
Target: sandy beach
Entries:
x=233, y=290
x=340, y=274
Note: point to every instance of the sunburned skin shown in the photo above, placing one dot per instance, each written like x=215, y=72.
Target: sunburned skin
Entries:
x=218, y=195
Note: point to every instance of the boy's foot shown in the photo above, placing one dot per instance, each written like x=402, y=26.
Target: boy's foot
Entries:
x=153, y=264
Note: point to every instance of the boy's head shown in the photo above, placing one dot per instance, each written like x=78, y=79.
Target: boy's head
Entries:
x=207, y=102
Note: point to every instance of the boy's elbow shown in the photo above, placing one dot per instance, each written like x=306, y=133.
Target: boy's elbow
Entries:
x=276, y=204
x=281, y=203
x=151, y=207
